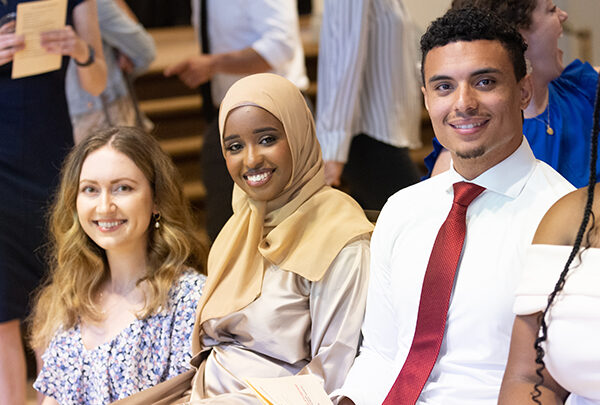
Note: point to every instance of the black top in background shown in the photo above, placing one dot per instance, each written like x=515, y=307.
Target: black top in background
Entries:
x=167, y=13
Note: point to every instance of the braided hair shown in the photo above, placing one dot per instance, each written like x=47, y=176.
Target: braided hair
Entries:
x=587, y=213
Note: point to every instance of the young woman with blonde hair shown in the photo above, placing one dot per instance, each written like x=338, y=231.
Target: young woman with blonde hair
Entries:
x=116, y=313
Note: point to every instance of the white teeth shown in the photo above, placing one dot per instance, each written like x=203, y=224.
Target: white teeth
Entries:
x=103, y=224
x=258, y=177
x=468, y=126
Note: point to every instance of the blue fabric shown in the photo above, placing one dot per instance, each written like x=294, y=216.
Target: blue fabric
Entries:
x=571, y=104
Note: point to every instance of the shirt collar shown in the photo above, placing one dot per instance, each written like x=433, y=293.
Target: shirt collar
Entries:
x=508, y=177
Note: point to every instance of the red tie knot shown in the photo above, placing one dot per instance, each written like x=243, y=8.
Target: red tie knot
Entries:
x=465, y=193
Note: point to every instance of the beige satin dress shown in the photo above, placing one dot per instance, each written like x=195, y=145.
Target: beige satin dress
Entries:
x=294, y=327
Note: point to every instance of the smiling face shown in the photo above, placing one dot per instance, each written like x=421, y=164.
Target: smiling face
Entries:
x=475, y=103
x=257, y=152
x=114, y=201
x=542, y=39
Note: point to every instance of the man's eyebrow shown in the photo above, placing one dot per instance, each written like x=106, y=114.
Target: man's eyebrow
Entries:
x=475, y=73
x=438, y=78
x=485, y=71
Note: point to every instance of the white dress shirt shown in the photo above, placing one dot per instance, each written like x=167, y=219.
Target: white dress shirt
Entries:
x=500, y=225
x=270, y=27
x=368, y=76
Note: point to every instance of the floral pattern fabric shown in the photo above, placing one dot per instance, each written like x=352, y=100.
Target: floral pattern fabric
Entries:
x=142, y=355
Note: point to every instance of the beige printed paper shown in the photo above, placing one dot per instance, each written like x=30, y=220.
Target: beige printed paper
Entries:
x=294, y=390
x=33, y=18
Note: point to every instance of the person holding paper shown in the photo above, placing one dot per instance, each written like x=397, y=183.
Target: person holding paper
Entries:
x=35, y=135
x=287, y=275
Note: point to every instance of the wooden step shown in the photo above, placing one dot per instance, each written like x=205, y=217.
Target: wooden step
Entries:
x=169, y=106
x=183, y=146
x=175, y=117
x=194, y=191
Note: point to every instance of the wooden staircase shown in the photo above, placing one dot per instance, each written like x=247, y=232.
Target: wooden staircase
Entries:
x=175, y=109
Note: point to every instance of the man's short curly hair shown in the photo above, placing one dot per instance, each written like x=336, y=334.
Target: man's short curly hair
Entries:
x=472, y=24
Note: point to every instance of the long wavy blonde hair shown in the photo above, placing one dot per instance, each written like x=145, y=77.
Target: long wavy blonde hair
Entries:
x=78, y=266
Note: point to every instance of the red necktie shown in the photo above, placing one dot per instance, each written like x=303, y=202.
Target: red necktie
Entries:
x=435, y=299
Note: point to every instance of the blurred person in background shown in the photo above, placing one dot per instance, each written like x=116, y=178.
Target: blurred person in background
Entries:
x=368, y=104
x=129, y=50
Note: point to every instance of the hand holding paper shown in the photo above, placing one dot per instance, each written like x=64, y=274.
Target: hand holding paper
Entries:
x=33, y=19
x=64, y=41
x=9, y=45
x=9, y=41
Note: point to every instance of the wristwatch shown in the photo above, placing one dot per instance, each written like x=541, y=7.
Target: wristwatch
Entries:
x=89, y=60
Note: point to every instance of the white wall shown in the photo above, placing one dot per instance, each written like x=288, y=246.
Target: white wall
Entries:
x=425, y=11
x=582, y=14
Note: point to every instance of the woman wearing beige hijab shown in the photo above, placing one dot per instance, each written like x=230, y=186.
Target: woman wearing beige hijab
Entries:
x=288, y=274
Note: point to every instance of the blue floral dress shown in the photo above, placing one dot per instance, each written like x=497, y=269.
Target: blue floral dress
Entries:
x=142, y=355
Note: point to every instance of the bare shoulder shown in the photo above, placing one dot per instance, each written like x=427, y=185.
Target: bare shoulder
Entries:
x=560, y=224
x=597, y=69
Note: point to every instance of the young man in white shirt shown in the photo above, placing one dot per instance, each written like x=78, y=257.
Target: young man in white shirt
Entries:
x=475, y=88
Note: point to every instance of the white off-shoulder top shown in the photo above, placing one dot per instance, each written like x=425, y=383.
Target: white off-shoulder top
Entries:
x=573, y=344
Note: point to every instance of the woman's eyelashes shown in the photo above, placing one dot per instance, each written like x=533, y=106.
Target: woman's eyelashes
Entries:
x=268, y=139
x=87, y=189
x=123, y=188
x=263, y=140
x=233, y=147
x=116, y=189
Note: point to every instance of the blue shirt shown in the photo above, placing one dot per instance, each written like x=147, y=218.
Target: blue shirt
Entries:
x=569, y=113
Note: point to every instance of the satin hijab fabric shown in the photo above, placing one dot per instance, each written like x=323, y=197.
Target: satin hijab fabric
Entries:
x=302, y=230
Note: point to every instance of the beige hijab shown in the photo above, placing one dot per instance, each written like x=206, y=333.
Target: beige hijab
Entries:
x=302, y=230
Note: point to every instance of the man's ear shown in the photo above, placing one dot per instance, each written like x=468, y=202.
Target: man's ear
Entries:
x=424, y=91
x=526, y=85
